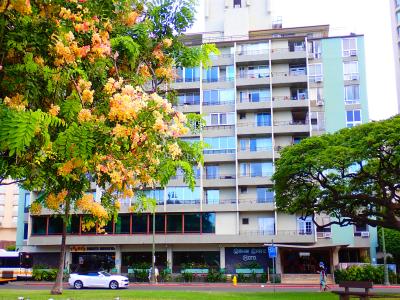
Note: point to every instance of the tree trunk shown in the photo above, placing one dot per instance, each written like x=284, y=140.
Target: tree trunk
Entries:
x=58, y=284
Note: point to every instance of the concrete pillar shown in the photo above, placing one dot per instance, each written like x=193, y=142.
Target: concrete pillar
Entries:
x=169, y=257
x=118, y=259
x=222, y=257
x=278, y=263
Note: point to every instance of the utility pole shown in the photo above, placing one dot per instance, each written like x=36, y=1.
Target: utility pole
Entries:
x=385, y=266
x=153, y=252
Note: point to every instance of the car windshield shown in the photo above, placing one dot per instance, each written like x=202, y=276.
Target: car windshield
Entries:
x=104, y=273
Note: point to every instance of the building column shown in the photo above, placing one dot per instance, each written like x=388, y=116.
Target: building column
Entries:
x=222, y=257
x=169, y=258
x=278, y=264
x=334, y=258
x=118, y=259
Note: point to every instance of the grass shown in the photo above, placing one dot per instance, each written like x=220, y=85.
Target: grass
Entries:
x=7, y=294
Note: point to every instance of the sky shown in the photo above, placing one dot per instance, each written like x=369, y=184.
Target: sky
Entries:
x=368, y=17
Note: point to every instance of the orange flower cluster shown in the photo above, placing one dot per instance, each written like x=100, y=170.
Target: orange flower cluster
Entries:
x=125, y=106
x=17, y=102
x=35, y=208
x=131, y=18
x=69, y=166
x=21, y=6
x=54, y=201
x=54, y=110
x=84, y=115
x=87, y=205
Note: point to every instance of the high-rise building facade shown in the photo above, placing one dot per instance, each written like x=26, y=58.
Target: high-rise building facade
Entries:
x=395, y=16
x=8, y=214
x=270, y=88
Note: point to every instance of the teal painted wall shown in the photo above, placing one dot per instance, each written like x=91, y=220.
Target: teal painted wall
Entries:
x=335, y=113
x=21, y=218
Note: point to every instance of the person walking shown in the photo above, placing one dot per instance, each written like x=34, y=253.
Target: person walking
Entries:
x=322, y=277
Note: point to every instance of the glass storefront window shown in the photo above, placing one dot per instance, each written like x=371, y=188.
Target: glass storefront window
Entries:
x=39, y=225
x=122, y=224
x=139, y=224
x=174, y=223
x=160, y=223
x=208, y=223
x=55, y=225
x=74, y=224
x=192, y=223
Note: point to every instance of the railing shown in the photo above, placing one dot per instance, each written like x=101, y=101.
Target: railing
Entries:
x=257, y=149
x=222, y=126
x=188, y=103
x=280, y=233
x=257, y=232
x=252, y=52
x=219, y=176
x=300, y=122
x=180, y=201
x=218, y=102
x=287, y=98
x=127, y=202
x=256, y=174
x=250, y=76
x=181, y=176
x=219, y=151
x=254, y=124
x=290, y=73
x=256, y=201
x=220, y=79
x=287, y=50
x=220, y=201
x=223, y=55
x=250, y=100
x=186, y=80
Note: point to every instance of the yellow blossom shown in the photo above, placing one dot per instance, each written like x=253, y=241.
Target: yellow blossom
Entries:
x=174, y=150
x=131, y=18
x=54, y=110
x=39, y=60
x=87, y=96
x=17, y=102
x=167, y=43
x=35, y=208
x=84, y=115
x=69, y=36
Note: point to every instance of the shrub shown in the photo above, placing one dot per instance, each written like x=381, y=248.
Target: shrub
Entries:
x=215, y=276
x=363, y=273
x=44, y=274
x=165, y=275
x=141, y=275
x=187, y=277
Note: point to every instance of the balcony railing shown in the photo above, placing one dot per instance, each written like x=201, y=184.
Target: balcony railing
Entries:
x=221, y=126
x=252, y=52
x=251, y=76
x=220, y=79
x=185, y=103
x=254, y=124
x=256, y=201
x=219, y=151
x=287, y=50
x=288, y=98
x=257, y=149
x=253, y=99
x=281, y=233
x=219, y=201
x=186, y=80
x=219, y=176
x=257, y=174
x=219, y=102
x=182, y=201
x=297, y=122
x=290, y=73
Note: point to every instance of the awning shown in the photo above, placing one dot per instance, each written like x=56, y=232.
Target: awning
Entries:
x=307, y=246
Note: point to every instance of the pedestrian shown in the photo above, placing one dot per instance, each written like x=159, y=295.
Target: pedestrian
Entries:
x=322, y=277
x=156, y=274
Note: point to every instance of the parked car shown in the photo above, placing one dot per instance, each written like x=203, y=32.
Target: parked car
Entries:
x=99, y=279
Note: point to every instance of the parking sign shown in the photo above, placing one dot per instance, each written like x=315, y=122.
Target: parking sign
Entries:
x=272, y=252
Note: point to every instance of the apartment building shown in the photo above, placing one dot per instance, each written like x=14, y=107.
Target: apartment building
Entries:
x=395, y=18
x=8, y=214
x=270, y=88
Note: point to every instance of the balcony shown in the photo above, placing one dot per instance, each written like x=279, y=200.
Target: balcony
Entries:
x=255, y=153
x=219, y=130
x=247, y=128
x=222, y=60
x=255, y=179
x=253, y=204
x=188, y=107
x=249, y=103
x=252, y=56
x=218, y=83
x=287, y=78
x=180, y=84
x=285, y=55
x=219, y=205
x=297, y=126
x=221, y=180
x=247, y=79
x=284, y=102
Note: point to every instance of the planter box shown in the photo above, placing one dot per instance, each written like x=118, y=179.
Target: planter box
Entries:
x=195, y=271
x=132, y=271
x=249, y=271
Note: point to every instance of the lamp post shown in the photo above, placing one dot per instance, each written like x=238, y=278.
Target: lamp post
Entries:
x=385, y=266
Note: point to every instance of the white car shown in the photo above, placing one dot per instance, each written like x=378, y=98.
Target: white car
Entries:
x=97, y=279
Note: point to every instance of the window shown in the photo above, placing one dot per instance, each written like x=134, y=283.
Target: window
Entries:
x=27, y=201
x=259, y=95
x=159, y=223
x=212, y=196
x=55, y=225
x=352, y=94
x=243, y=190
x=218, y=145
x=245, y=221
x=183, y=195
x=295, y=46
x=256, y=169
x=266, y=225
x=353, y=117
x=73, y=227
x=218, y=97
x=305, y=226
x=25, y=231
x=215, y=119
x=316, y=74
x=192, y=223
x=349, y=46
x=254, y=72
x=298, y=139
x=212, y=171
x=264, y=195
x=257, y=48
x=297, y=70
x=157, y=194
x=263, y=119
x=192, y=74
x=189, y=99
x=316, y=49
x=237, y=3
x=39, y=225
x=208, y=222
x=256, y=144
x=174, y=223
x=298, y=94
x=397, y=3
x=361, y=230
x=242, y=116
x=350, y=70
x=211, y=74
x=398, y=17
x=139, y=223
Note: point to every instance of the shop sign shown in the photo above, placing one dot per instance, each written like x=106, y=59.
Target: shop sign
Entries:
x=241, y=257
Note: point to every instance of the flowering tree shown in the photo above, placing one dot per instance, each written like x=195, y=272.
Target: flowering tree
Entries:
x=84, y=98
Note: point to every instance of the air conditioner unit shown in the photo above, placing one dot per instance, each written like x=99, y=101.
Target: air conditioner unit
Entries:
x=318, y=79
x=320, y=102
x=354, y=77
x=353, y=52
x=365, y=234
x=327, y=235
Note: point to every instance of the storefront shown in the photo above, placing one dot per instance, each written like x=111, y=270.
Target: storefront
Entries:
x=246, y=258
x=304, y=261
x=92, y=259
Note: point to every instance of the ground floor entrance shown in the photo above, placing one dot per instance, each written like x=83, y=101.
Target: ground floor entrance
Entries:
x=299, y=261
x=92, y=261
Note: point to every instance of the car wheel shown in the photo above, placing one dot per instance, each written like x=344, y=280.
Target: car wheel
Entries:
x=78, y=284
x=113, y=285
